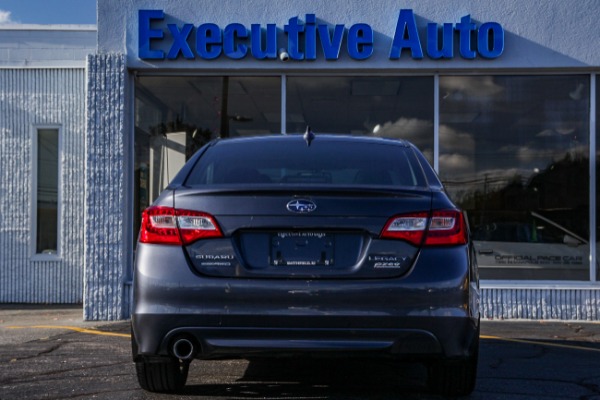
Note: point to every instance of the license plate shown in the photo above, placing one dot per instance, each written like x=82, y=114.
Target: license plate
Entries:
x=302, y=249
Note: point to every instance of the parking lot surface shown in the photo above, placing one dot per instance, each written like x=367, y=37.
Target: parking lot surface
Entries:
x=48, y=352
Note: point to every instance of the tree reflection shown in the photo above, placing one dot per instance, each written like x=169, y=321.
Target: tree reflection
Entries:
x=556, y=192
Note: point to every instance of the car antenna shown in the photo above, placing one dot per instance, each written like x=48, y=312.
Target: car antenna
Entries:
x=309, y=136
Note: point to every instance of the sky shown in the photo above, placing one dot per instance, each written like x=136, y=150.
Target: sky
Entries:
x=47, y=12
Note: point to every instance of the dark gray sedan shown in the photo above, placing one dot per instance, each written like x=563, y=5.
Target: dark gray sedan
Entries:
x=296, y=245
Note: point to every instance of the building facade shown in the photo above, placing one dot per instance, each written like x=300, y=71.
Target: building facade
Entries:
x=42, y=159
x=500, y=95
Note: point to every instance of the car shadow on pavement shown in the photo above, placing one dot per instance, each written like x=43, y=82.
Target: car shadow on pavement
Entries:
x=320, y=378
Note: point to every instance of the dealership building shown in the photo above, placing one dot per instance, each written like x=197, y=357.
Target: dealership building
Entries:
x=500, y=95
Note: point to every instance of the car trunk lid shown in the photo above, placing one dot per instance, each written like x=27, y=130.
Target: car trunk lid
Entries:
x=302, y=234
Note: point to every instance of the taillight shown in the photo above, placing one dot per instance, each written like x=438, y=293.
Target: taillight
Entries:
x=166, y=225
x=409, y=227
x=194, y=225
x=444, y=228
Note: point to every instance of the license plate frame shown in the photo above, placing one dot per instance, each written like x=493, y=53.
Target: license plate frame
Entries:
x=302, y=249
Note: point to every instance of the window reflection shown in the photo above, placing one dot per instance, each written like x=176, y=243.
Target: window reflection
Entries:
x=514, y=154
x=597, y=177
x=47, y=191
x=176, y=116
x=396, y=107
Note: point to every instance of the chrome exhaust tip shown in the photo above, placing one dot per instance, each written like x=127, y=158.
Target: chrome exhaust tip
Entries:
x=184, y=349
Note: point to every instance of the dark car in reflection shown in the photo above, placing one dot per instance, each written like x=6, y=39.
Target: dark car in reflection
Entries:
x=305, y=246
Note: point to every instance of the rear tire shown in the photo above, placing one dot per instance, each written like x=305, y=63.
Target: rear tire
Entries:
x=454, y=377
x=161, y=374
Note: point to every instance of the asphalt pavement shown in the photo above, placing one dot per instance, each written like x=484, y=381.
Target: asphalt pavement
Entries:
x=49, y=352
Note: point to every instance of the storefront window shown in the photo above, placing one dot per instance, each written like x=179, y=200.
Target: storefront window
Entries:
x=396, y=107
x=175, y=116
x=514, y=153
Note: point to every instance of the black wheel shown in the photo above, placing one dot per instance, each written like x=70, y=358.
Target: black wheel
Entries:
x=161, y=374
x=454, y=377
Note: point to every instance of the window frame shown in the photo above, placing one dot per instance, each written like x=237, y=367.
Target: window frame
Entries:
x=35, y=256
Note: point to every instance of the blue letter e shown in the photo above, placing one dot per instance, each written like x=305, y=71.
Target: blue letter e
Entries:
x=146, y=34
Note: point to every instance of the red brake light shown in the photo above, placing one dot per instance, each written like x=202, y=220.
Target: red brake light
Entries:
x=159, y=226
x=166, y=225
x=444, y=228
x=447, y=228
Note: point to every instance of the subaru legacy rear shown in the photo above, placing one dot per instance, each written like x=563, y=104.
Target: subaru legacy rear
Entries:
x=291, y=245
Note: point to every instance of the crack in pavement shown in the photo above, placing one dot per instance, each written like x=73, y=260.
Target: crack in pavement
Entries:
x=40, y=353
x=50, y=374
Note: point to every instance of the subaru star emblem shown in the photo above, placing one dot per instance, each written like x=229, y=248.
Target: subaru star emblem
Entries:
x=301, y=206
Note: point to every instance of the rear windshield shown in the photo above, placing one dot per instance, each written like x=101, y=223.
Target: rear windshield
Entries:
x=292, y=162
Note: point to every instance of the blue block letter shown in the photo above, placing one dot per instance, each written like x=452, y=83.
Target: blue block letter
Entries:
x=360, y=41
x=231, y=48
x=180, y=43
x=271, y=38
x=465, y=27
x=208, y=41
x=331, y=45
x=433, y=47
x=497, y=40
x=406, y=36
x=293, y=30
x=310, y=37
x=146, y=34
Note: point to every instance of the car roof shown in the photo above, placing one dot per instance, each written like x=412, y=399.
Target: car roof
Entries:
x=318, y=137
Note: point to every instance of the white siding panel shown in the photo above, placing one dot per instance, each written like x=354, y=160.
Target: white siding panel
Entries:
x=30, y=98
x=567, y=304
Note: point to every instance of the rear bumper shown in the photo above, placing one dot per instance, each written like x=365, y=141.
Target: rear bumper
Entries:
x=423, y=314
x=448, y=338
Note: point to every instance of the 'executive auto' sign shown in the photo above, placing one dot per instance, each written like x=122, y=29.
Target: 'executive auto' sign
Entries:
x=209, y=41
